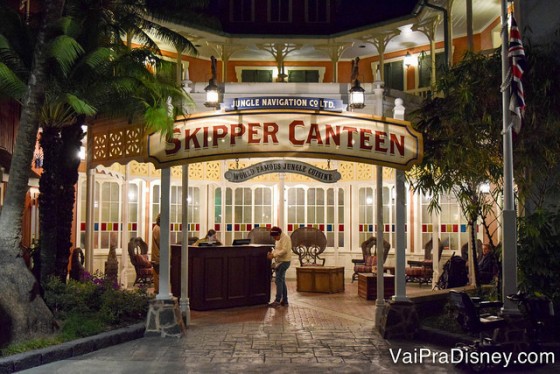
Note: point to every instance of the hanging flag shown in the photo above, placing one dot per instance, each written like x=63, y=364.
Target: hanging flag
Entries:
x=518, y=63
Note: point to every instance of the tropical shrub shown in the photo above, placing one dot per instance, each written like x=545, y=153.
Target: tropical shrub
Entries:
x=539, y=254
x=97, y=301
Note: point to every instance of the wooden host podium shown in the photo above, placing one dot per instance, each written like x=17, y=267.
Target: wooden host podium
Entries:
x=223, y=276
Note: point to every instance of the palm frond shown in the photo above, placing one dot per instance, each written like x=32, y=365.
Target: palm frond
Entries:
x=69, y=26
x=10, y=84
x=164, y=34
x=55, y=113
x=80, y=106
x=65, y=50
x=98, y=57
x=12, y=58
x=157, y=119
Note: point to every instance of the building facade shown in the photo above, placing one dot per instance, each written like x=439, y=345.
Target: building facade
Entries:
x=286, y=48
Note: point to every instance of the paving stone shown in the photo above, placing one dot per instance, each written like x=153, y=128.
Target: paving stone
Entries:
x=316, y=334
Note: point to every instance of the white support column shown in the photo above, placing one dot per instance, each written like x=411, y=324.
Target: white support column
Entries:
x=281, y=200
x=165, y=258
x=184, y=303
x=125, y=236
x=90, y=218
x=400, y=263
x=435, y=246
x=380, y=302
x=379, y=234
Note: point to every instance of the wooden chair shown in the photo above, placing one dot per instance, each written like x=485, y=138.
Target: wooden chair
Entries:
x=308, y=243
x=368, y=264
x=138, y=253
x=469, y=313
x=421, y=271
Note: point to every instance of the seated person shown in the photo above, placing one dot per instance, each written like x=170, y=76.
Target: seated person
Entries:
x=209, y=239
x=487, y=265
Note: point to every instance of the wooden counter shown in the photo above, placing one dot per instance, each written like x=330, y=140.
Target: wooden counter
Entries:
x=223, y=276
x=329, y=279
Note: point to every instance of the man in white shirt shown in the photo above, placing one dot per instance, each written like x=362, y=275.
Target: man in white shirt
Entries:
x=282, y=255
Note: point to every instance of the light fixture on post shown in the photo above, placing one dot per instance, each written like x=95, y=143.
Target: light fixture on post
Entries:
x=421, y=57
x=212, y=90
x=408, y=60
x=357, y=93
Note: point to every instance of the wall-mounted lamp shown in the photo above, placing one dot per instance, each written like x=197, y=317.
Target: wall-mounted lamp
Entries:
x=408, y=60
x=421, y=57
x=212, y=90
x=357, y=93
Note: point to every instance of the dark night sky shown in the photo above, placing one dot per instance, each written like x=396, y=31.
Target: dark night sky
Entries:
x=349, y=14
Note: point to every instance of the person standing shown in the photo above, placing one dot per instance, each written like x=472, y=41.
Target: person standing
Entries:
x=282, y=255
x=155, y=254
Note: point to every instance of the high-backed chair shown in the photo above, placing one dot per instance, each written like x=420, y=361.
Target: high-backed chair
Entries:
x=138, y=253
x=261, y=235
x=308, y=243
x=368, y=264
x=421, y=271
x=465, y=250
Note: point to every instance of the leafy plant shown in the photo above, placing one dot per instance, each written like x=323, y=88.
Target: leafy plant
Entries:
x=78, y=326
x=30, y=345
x=97, y=298
x=539, y=254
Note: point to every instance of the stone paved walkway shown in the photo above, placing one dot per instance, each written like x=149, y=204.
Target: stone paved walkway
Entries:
x=316, y=333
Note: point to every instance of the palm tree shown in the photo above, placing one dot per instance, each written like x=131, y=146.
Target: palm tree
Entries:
x=22, y=312
x=71, y=98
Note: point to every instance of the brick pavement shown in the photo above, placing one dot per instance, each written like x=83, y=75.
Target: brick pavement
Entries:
x=326, y=333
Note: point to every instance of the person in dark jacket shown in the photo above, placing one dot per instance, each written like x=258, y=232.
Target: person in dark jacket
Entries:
x=487, y=265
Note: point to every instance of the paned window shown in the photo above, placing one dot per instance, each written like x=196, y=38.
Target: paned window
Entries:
x=367, y=225
x=256, y=76
x=317, y=11
x=425, y=68
x=242, y=10
x=279, y=10
x=394, y=75
x=303, y=76
x=451, y=223
x=176, y=212
x=315, y=207
x=245, y=208
x=133, y=200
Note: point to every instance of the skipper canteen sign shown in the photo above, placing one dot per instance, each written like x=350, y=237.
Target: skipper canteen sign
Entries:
x=288, y=133
x=282, y=166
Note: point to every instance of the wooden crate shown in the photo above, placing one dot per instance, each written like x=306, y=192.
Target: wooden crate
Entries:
x=328, y=279
x=367, y=285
